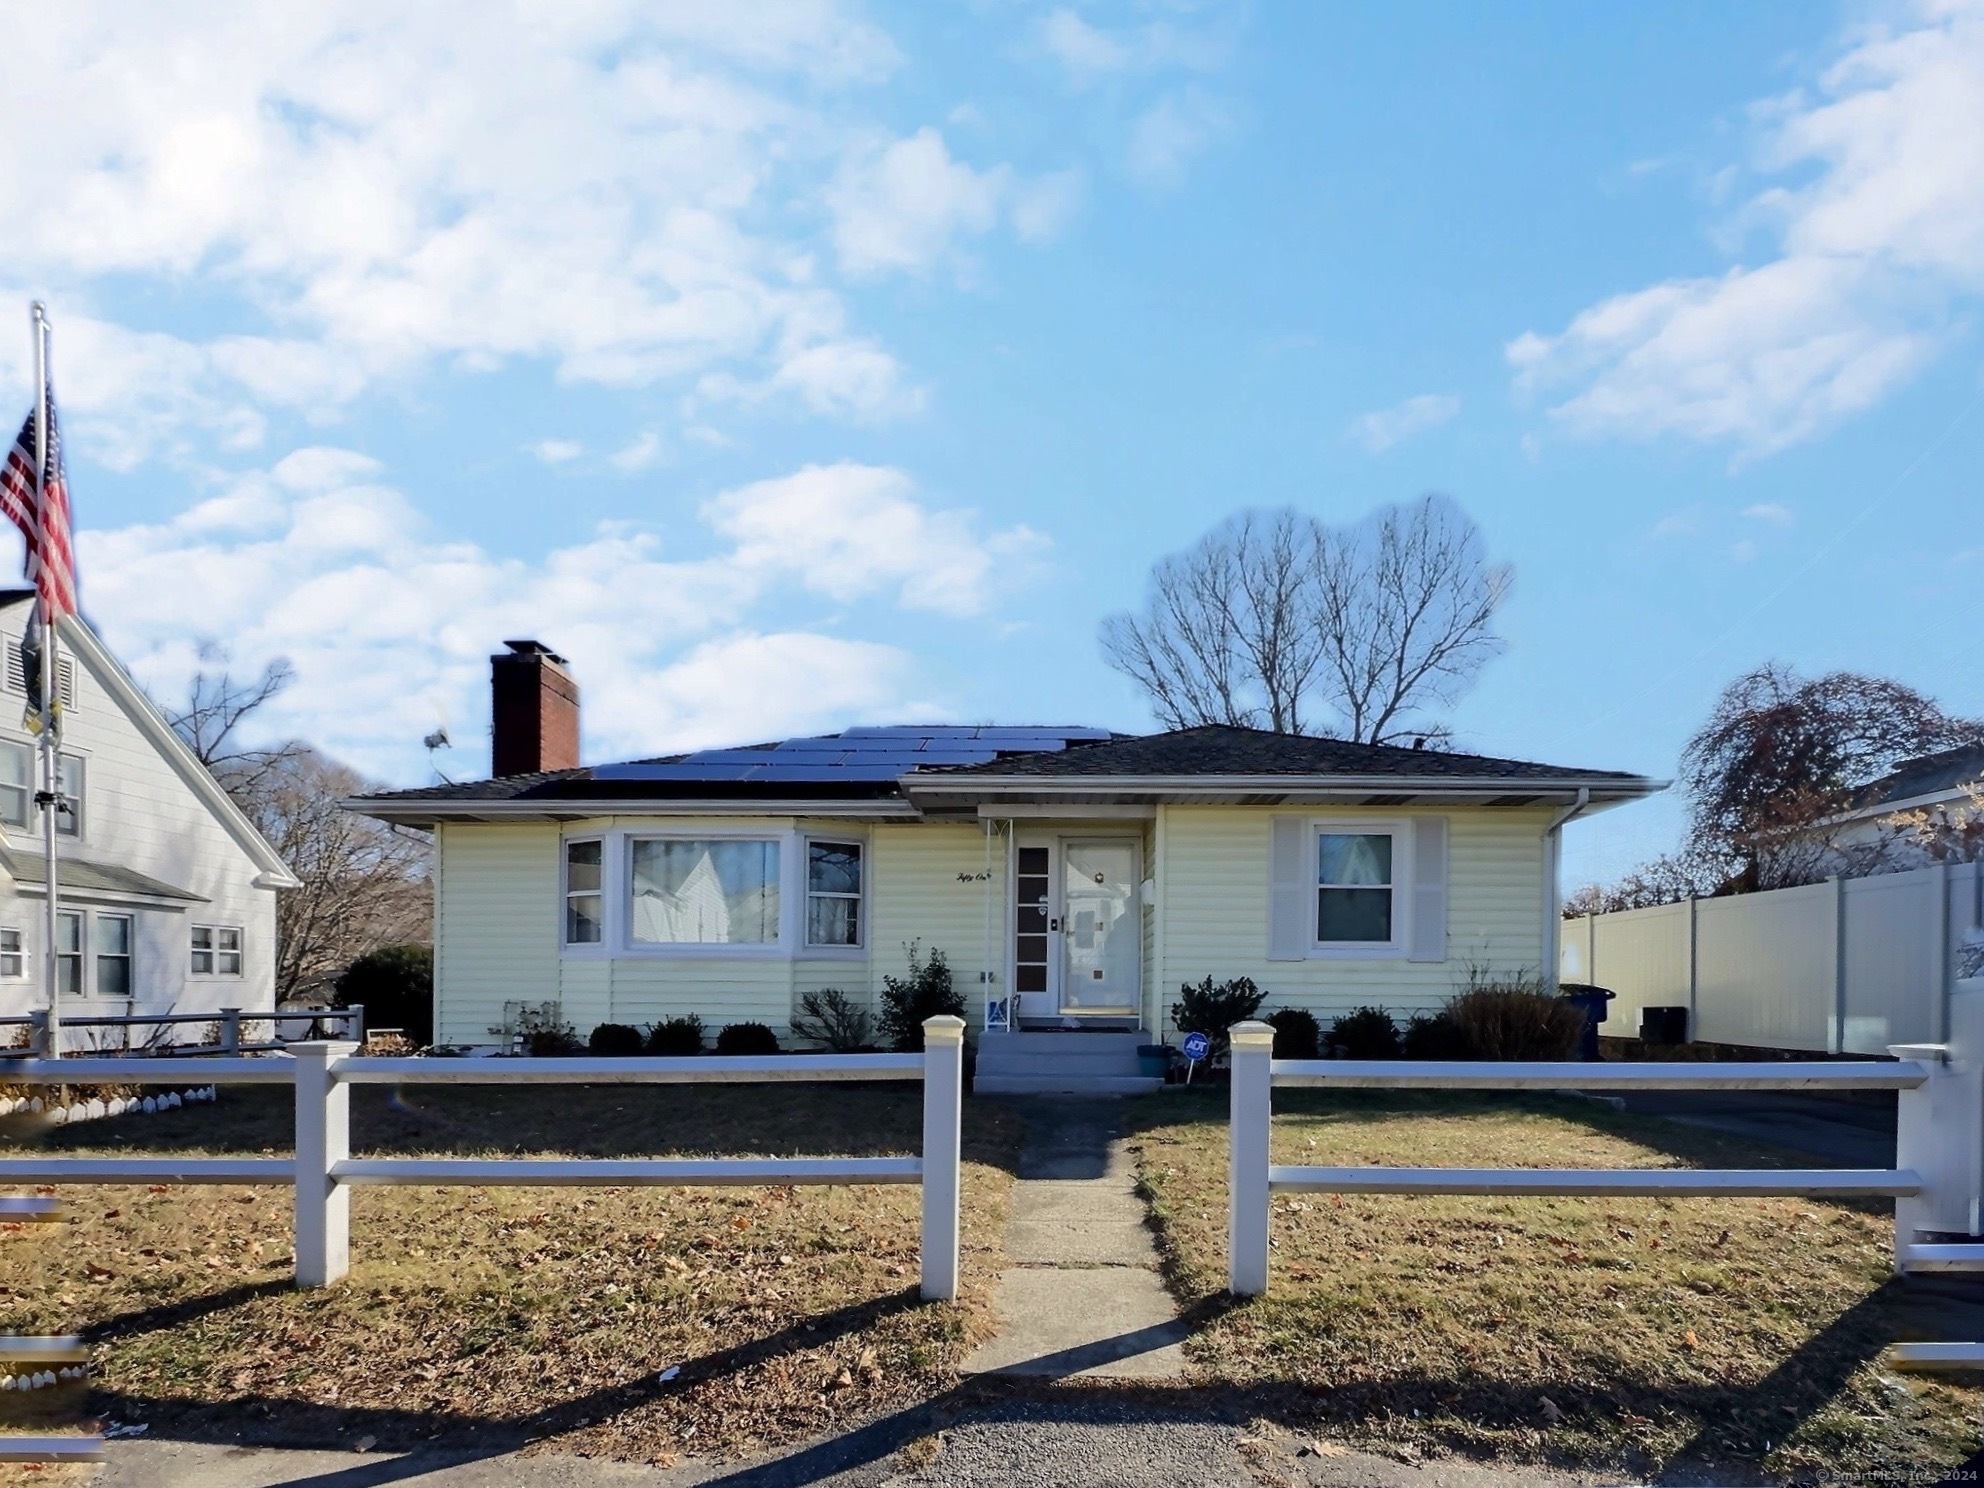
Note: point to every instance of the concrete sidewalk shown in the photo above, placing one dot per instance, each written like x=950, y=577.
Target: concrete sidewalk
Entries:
x=1071, y=1442
x=1083, y=1297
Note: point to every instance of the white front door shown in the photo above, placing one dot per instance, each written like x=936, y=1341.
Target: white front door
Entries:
x=1102, y=926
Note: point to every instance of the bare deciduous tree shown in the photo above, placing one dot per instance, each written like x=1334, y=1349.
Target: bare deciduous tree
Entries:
x=365, y=886
x=1275, y=620
x=216, y=707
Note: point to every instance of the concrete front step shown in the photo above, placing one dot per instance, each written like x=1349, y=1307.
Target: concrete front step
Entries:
x=1039, y=1041
x=1052, y=1084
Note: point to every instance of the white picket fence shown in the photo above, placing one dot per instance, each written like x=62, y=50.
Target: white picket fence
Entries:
x=1848, y=966
x=1937, y=1182
x=323, y=1172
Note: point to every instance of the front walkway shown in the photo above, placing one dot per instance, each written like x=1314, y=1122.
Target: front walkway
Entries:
x=1083, y=1297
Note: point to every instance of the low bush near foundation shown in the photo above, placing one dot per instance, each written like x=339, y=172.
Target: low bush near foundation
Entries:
x=676, y=1037
x=747, y=1038
x=614, y=1041
x=1366, y=1033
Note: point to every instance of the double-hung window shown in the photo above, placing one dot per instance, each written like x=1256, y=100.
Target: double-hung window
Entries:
x=16, y=783
x=584, y=892
x=704, y=891
x=69, y=783
x=113, y=955
x=833, y=894
x=217, y=950
x=13, y=953
x=69, y=952
x=1357, y=887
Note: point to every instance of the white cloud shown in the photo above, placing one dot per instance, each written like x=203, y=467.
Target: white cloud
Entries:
x=556, y=451
x=1089, y=52
x=389, y=622
x=1772, y=512
x=1880, y=230
x=1171, y=133
x=908, y=205
x=1379, y=431
x=594, y=186
x=643, y=450
x=846, y=530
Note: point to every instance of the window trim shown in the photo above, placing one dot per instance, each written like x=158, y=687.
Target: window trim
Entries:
x=81, y=955
x=604, y=893
x=1399, y=829
x=214, y=950
x=80, y=816
x=824, y=950
x=19, y=951
x=27, y=817
x=617, y=887
x=98, y=956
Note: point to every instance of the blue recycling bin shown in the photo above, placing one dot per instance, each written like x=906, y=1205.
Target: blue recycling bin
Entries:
x=1592, y=1000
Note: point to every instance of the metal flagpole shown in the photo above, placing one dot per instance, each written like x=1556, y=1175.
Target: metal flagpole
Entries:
x=50, y=795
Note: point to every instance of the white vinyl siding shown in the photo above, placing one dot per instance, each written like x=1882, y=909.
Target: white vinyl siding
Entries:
x=1214, y=891
x=141, y=811
x=497, y=906
x=925, y=886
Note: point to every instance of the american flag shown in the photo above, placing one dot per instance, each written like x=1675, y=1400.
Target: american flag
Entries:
x=41, y=511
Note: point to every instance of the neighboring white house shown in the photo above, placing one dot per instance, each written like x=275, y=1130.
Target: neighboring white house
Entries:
x=167, y=893
x=1877, y=833
x=1073, y=877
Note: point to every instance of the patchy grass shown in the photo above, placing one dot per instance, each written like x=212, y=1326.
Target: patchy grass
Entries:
x=503, y=1314
x=1620, y=1333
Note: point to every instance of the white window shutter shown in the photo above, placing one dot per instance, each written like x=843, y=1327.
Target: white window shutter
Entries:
x=1291, y=889
x=1428, y=926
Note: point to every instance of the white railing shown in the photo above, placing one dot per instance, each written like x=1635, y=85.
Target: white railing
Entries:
x=225, y=1021
x=323, y=1171
x=1937, y=1182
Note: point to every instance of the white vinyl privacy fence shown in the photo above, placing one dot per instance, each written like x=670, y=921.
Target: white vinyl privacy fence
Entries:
x=1848, y=966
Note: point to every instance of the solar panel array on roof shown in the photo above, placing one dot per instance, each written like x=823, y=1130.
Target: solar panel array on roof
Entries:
x=857, y=754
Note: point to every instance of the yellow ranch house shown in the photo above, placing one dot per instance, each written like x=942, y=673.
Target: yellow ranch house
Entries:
x=1073, y=877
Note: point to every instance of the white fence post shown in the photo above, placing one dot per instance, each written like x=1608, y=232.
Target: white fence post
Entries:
x=1247, y=1163
x=1939, y=1128
x=230, y=1030
x=323, y=1139
x=943, y=1151
x=38, y=1044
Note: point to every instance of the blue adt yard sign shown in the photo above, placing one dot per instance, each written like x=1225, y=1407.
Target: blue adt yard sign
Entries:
x=1197, y=1046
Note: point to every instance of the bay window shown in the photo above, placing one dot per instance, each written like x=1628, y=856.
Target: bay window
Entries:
x=704, y=891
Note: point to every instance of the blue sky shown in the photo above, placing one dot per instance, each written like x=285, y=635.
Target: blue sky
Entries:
x=793, y=366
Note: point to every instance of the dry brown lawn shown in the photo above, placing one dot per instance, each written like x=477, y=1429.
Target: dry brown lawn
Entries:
x=505, y=1314
x=1619, y=1333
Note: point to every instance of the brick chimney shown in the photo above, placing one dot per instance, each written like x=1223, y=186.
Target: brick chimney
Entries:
x=534, y=711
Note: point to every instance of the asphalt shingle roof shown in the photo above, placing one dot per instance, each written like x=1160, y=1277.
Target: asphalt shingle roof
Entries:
x=1926, y=776
x=1208, y=751
x=1219, y=749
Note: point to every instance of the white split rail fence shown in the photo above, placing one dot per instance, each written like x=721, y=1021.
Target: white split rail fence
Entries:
x=1937, y=1182
x=323, y=1172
